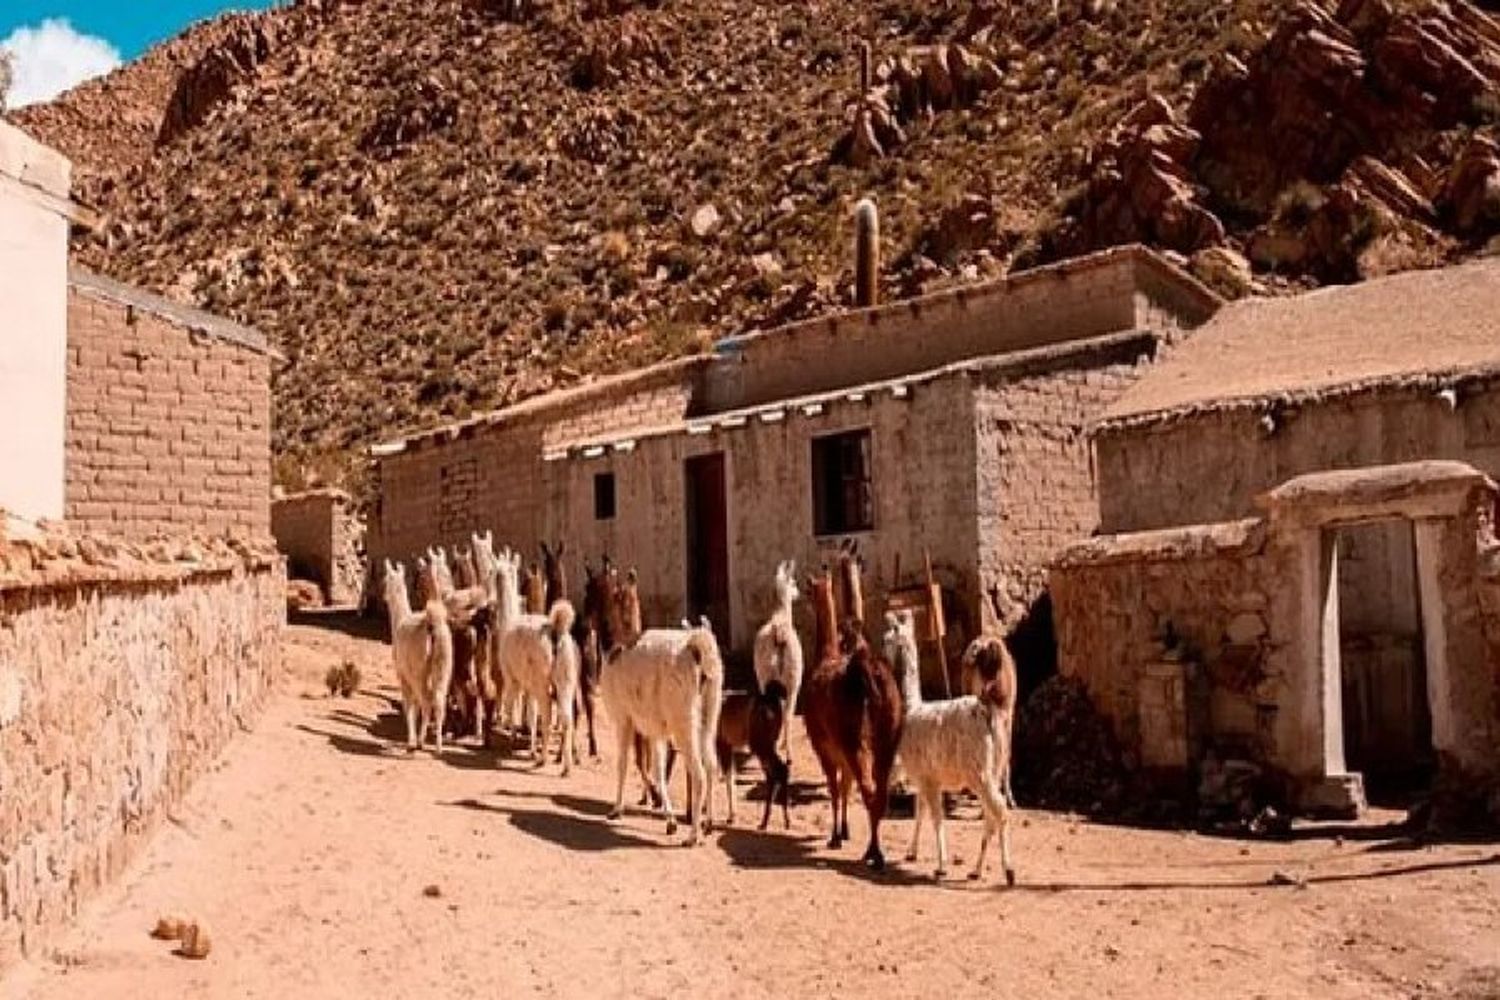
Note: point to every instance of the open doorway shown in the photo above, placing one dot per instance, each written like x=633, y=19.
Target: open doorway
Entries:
x=1387, y=721
x=706, y=503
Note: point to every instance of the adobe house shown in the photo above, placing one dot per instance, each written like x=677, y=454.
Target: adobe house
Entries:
x=322, y=541
x=951, y=424
x=1298, y=565
x=141, y=600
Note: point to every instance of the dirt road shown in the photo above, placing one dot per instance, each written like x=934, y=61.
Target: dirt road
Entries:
x=311, y=851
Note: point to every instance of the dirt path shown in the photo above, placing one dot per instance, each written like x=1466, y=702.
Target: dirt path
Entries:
x=309, y=851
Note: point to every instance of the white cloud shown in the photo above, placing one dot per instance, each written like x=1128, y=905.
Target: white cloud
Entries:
x=53, y=56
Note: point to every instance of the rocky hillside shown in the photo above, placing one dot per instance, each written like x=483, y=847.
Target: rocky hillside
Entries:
x=443, y=206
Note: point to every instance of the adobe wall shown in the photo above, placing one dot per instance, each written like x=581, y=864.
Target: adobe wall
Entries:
x=1170, y=632
x=321, y=541
x=923, y=482
x=1225, y=637
x=486, y=474
x=1028, y=310
x=1034, y=464
x=1210, y=466
x=123, y=673
x=168, y=428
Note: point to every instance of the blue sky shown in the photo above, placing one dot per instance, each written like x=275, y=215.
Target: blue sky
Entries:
x=56, y=44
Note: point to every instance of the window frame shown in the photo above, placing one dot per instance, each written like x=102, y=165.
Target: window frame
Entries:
x=606, y=486
x=845, y=506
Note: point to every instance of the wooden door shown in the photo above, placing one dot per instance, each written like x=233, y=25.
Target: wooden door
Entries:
x=707, y=507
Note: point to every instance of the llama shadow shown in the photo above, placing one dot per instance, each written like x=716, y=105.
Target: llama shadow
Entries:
x=346, y=621
x=769, y=851
x=568, y=830
x=388, y=740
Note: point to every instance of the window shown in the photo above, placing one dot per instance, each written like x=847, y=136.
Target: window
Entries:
x=842, y=498
x=604, y=496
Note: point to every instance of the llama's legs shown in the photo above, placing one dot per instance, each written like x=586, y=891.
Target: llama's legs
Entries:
x=996, y=818
x=729, y=786
x=569, y=749
x=625, y=745
x=916, y=826
x=697, y=776
x=659, y=760
x=846, y=782
x=534, y=711
x=875, y=793
x=409, y=709
x=934, y=798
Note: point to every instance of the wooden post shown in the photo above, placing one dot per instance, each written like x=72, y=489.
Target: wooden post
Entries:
x=938, y=627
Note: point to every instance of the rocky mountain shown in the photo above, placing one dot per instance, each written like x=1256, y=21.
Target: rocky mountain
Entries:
x=444, y=206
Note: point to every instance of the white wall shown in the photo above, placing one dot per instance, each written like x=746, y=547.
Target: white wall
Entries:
x=34, y=187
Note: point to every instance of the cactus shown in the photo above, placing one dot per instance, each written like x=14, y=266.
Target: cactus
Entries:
x=866, y=253
x=864, y=69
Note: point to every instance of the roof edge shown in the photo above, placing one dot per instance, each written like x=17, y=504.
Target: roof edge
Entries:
x=1435, y=380
x=98, y=286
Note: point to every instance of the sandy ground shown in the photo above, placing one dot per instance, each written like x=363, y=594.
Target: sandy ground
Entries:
x=311, y=850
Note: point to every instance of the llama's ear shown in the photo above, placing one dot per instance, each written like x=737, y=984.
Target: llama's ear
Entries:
x=705, y=624
x=687, y=626
x=631, y=576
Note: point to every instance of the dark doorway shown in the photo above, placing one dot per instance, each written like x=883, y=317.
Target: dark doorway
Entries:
x=708, y=542
x=1387, y=720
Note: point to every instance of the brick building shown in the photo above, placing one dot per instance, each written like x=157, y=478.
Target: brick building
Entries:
x=169, y=416
x=323, y=542
x=1299, y=565
x=951, y=424
x=126, y=664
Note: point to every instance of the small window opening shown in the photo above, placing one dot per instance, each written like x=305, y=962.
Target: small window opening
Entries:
x=843, y=499
x=604, y=496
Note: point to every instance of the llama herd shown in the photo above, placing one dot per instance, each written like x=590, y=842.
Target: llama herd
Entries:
x=495, y=646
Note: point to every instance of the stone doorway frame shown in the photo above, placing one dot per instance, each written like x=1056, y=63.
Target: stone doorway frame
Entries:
x=1304, y=515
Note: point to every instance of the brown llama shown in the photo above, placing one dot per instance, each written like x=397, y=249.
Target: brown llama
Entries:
x=534, y=591
x=850, y=593
x=853, y=711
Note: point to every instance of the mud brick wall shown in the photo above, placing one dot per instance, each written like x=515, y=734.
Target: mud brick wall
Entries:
x=1114, y=291
x=1210, y=466
x=321, y=541
x=168, y=429
x=922, y=480
x=119, y=685
x=1173, y=615
x=1035, y=466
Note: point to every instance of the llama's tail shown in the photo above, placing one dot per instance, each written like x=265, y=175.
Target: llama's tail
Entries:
x=560, y=620
x=704, y=649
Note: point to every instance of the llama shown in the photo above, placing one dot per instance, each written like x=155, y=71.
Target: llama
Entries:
x=667, y=686
x=469, y=617
x=850, y=592
x=852, y=710
x=595, y=634
x=422, y=648
x=950, y=745
x=534, y=591
x=538, y=659
x=778, y=650
x=756, y=720
x=987, y=660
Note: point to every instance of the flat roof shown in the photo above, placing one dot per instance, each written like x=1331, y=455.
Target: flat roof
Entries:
x=99, y=286
x=1109, y=348
x=1443, y=322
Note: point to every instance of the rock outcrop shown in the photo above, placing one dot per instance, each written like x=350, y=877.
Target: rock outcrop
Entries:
x=1353, y=142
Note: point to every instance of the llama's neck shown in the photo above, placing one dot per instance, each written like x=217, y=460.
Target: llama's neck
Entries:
x=825, y=627
x=507, y=600
x=910, y=667
x=397, y=601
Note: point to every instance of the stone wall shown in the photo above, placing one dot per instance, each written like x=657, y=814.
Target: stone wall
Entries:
x=169, y=417
x=1035, y=468
x=923, y=479
x=124, y=671
x=1226, y=638
x=322, y=542
x=1210, y=466
x=1120, y=290
x=484, y=474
